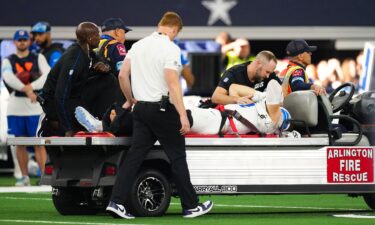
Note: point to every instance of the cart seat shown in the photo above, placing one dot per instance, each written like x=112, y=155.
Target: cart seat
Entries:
x=303, y=106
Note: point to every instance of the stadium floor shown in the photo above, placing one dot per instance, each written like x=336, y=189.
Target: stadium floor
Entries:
x=37, y=208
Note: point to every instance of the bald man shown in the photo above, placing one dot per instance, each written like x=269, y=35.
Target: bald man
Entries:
x=67, y=82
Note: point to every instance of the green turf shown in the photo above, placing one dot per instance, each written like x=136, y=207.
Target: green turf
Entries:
x=260, y=209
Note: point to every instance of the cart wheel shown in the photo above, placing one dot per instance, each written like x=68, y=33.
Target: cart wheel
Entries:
x=72, y=202
x=151, y=194
x=370, y=200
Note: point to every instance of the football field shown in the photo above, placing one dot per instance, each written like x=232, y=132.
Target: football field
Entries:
x=37, y=208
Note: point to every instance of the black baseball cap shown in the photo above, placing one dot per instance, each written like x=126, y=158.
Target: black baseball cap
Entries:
x=114, y=23
x=298, y=46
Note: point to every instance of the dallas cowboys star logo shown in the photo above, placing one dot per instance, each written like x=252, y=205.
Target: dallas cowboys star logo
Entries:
x=219, y=10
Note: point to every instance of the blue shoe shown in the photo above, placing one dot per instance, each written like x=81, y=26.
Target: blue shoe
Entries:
x=118, y=211
x=87, y=120
x=201, y=209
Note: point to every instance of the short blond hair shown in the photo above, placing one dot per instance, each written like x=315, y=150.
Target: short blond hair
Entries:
x=171, y=19
x=266, y=56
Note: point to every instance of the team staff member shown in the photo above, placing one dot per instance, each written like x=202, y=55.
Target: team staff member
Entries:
x=255, y=74
x=68, y=80
x=295, y=77
x=154, y=64
x=24, y=73
x=111, y=46
x=42, y=36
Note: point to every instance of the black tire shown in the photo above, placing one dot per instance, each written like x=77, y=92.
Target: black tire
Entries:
x=150, y=194
x=72, y=202
x=370, y=200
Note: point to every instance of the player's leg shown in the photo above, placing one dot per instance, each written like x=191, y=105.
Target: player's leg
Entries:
x=274, y=100
x=205, y=121
x=87, y=120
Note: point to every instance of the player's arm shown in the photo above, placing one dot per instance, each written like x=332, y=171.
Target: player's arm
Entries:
x=246, y=92
x=220, y=96
x=44, y=70
x=188, y=75
x=9, y=77
x=124, y=79
x=239, y=90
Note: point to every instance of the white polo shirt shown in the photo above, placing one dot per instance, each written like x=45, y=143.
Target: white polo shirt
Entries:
x=149, y=57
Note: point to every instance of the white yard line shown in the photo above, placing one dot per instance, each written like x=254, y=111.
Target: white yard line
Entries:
x=355, y=216
x=277, y=207
x=18, y=198
x=30, y=189
x=59, y=222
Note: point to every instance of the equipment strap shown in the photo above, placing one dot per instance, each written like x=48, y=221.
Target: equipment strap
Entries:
x=243, y=120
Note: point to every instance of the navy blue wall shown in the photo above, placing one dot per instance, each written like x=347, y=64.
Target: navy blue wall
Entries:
x=148, y=12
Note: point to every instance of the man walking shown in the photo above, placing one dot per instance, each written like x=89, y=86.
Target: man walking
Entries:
x=159, y=114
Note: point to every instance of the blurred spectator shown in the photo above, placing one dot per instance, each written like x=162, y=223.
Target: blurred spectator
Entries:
x=335, y=66
x=323, y=73
x=281, y=64
x=187, y=76
x=237, y=52
x=24, y=73
x=223, y=38
x=312, y=72
x=349, y=71
x=330, y=74
x=359, y=66
x=41, y=32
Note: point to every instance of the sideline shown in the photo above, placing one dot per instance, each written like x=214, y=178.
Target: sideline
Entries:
x=217, y=205
x=356, y=216
x=30, y=189
x=59, y=222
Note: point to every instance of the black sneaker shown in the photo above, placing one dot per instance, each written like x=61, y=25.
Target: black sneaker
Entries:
x=201, y=209
x=118, y=211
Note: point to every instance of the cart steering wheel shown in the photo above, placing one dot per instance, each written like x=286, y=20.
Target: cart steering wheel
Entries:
x=340, y=97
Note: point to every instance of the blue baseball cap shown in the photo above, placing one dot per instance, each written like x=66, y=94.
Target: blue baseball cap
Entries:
x=41, y=27
x=21, y=34
x=298, y=46
x=113, y=24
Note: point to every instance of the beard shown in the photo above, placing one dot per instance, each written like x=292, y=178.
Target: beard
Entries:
x=257, y=76
x=43, y=44
x=22, y=47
